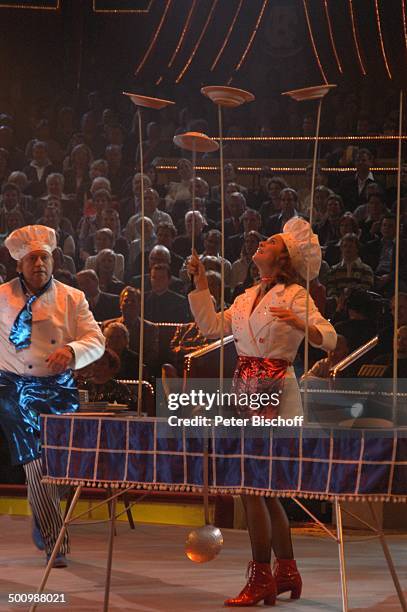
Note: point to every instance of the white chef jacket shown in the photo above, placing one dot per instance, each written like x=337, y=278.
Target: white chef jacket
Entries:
x=61, y=317
x=260, y=333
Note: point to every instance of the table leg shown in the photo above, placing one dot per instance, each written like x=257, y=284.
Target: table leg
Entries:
x=339, y=532
x=389, y=559
x=57, y=545
x=110, y=555
x=126, y=503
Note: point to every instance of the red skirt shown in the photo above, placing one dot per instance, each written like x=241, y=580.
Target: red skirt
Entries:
x=254, y=376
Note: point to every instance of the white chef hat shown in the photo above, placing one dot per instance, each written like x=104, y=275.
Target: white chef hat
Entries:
x=30, y=238
x=296, y=235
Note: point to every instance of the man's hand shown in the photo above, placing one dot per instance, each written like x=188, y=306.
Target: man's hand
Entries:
x=59, y=360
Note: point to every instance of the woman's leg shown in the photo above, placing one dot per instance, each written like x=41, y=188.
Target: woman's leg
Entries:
x=259, y=527
x=280, y=529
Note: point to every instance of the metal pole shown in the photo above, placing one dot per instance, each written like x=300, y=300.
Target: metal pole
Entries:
x=141, y=340
x=109, y=556
x=339, y=532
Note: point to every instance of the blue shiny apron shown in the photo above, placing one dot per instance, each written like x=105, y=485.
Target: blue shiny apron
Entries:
x=23, y=399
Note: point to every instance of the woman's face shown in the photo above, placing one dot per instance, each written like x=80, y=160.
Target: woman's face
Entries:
x=109, y=220
x=375, y=208
x=54, y=187
x=101, y=202
x=268, y=253
x=184, y=169
x=273, y=190
x=102, y=241
x=346, y=226
x=116, y=339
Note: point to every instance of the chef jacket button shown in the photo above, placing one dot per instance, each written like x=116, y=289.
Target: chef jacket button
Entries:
x=30, y=367
x=261, y=340
x=53, y=341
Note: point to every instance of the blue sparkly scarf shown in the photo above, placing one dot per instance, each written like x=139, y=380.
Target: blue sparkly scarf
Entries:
x=20, y=334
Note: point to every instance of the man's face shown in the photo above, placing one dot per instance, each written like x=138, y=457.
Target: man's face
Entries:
x=349, y=250
x=333, y=208
x=375, y=208
x=165, y=237
x=363, y=162
x=184, y=169
x=212, y=244
x=287, y=201
x=130, y=304
x=54, y=187
x=51, y=217
x=88, y=284
x=388, y=229
x=114, y=156
x=39, y=153
x=159, y=281
x=10, y=199
x=36, y=268
x=101, y=202
x=102, y=241
x=150, y=201
x=188, y=225
x=251, y=222
x=109, y=220
x=106, y=263
x=273, y=190
x=229, y=172
x=236, y=205
x=157, y=256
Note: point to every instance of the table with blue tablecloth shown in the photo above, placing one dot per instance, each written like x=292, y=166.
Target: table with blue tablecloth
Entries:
x=354, y=464
x=126, y=452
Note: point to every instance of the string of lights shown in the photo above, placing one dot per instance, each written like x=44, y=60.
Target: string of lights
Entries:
x=154, y=39
x=355, y=38
x=198, y=42
x=119, y=11
x=379, y=29
x=333, y=169
x=305, y=138
x=331, y=37
x=252, y=37
x=229, y=32
x=304, y=2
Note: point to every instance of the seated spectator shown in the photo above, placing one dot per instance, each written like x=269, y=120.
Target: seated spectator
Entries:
x=89, y=225
x=351, y=272
x=252, y=278
x=289, y=208
x=304, y=194
x=322, y=367
x=42, y=132
x=357, y=310
x=212, y=246
x=388, y=358
x=105, y=268
x=39, y=168
x=272, y=206
x=251, y=221
x=63, y=262
x=99, y=168
x=380, y=254
x=321, y=195
x=370, y=227
x=104, y=240
x=328, y=229
x=154, y=146
x=99, y=184
x=179, y=191
x=103, y=305
x=230, y=176
x=233, y=224
x=11, y=199
x=77, y=180
x=117, y=174
x=117, y=339
x=241, y=266
x=202, y=192
x=51, y=218
x=214, y=286
x=166, y=234
x=131, y=205
x=26, y=202
x=111, y=220
x=361, y=211
x=353, y=188
x=135, y=248
x=347, y=225
x=54, y=190
x=64, y=223
x=98, y=380
x=183, y=244
x=130, y=303
x=158, y=255
x=151, y=200
x=161, y=304
x=66, y=277
x=13, y=219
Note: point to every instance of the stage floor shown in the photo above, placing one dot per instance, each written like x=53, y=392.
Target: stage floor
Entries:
x=151, y=573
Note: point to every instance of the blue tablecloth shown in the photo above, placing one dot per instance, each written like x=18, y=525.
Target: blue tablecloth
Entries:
x=353, y=464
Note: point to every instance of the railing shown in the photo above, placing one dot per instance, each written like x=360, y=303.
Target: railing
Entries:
x=350, y=359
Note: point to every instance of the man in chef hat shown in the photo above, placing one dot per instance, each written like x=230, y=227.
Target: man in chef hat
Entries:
x=46, y=331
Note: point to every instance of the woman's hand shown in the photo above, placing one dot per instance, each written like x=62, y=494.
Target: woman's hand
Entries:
x=287, y=316
x=196, y=269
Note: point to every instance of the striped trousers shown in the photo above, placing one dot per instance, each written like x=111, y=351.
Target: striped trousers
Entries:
x=44, y=500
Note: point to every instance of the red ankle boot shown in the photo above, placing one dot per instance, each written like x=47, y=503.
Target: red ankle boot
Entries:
x=260, y=586
x=287, y=577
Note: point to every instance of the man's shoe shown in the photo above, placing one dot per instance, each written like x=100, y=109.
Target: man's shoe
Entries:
x=37, y=536
x=59, y=561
